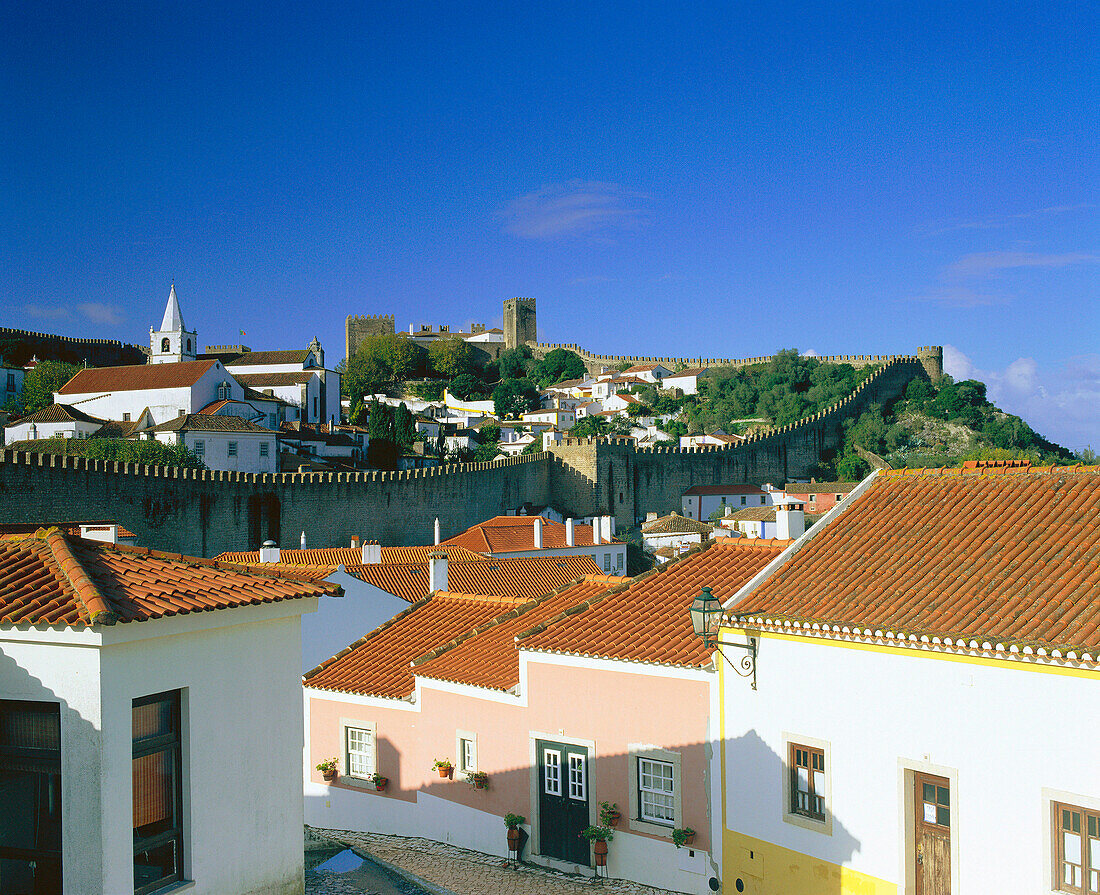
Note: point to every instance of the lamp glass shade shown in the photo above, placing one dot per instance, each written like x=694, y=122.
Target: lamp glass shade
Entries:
x=703, y=609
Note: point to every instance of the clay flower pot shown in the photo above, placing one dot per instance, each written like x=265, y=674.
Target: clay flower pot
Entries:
x=513, y=839
x=329, y=776
x=445, y=772
x=599, y=849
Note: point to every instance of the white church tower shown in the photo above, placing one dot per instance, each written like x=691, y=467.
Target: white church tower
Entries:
x=172, y=343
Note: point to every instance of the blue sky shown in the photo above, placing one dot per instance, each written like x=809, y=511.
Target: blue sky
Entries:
x=707, y=180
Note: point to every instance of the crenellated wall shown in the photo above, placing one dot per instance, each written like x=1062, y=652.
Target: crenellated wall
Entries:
x=46, y=346
x=200, y=512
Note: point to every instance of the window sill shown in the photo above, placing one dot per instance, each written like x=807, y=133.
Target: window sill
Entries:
x=172, y=888
x=653, y=829
x=825, y=827
x=355, y=783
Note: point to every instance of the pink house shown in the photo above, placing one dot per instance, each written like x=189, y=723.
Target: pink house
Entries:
x=597, y=692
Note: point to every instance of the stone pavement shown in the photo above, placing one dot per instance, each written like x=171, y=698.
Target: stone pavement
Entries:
x=443, y=869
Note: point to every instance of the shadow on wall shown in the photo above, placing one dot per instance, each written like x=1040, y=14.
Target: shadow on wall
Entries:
x=417, y=802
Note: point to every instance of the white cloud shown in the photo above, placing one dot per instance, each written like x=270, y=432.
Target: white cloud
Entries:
x=98, y=312
x=49, y=312
x=1059, y=403
x=959, y=297
x=999, y=221
x=576, y=208
x=985, y=264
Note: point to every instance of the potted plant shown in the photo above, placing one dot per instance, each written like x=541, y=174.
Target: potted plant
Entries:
x=444, y=766
x=599, y=837
x=379, y=781
x=513, y=822
x=478, y=779
x=682, y=837
x=609, y=814
x=328, y=769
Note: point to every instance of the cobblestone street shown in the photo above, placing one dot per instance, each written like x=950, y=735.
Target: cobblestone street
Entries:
x=446, y=870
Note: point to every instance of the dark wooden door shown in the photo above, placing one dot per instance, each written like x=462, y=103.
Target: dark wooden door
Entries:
x=932, y=797
x=563, y=800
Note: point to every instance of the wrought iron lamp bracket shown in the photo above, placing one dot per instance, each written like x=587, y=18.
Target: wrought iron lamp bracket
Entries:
x=744, y=668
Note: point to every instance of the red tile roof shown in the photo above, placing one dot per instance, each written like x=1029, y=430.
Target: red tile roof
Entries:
x=60, y=413
x=647, y=620
x=1011, y=555
x=136, y=377
x=268, y=380
x=819, y=487
x=511, y=534
x=261, y=358
x=523, y=578
x=674, y=523
x=212, y=422
x=69, y=528
x=487, y=656
x=378, y=664
x=53, y=579
x=349, y=556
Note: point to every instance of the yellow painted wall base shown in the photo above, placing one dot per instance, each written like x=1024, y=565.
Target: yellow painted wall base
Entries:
x=768, y=869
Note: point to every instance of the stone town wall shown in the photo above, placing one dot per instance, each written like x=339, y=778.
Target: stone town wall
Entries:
x=18, y=346
x=358, y=328
x=203, y=513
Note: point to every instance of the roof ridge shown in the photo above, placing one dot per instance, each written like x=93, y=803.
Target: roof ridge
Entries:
x=987, y=471
x=96, y=605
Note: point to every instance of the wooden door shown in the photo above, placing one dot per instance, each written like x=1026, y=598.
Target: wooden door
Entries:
x=932, y=798
x=563, y=800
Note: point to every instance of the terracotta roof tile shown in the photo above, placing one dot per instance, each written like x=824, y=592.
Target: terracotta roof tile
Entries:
x=55, y=579
x=674, y=523
x=487, y=656
x=69, y=528
x=511, y=534
x=819, y=487
x=60, y=413
x=136, y=377
x=259, y=358
x=1003, y=554
x=349, y=556
x=267, y=380
x=212, y=422
x=647, y=620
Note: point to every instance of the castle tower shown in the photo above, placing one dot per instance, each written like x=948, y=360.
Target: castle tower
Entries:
x=519, y=322
x=358, y=329
x=932, y=359
x=172, y=343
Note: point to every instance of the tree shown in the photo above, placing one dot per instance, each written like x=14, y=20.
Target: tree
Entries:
x=558, y=366
x=514, y=397
x=380, y=361
x=516, y=363
x=403, y=425
x=451, y=357
x=466, y=387
x=41, y=382
x=382, y=450
x=588, y=426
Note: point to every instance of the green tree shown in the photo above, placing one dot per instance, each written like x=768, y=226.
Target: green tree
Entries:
x=382, y=449
x=467, y=387
x=514, y=397
x=558, y=366
x=588, y=426
x=41, y=382
x=149, y=451
x=451, y=357
x=403, y=425
x=381, y=360
x=516, y=363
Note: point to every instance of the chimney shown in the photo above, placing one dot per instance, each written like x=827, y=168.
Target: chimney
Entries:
x=372, y=554
x=437, y=538
x=269, y=552
x=538, y=532
x=354, y=541
x=303, y=541
x=790, y=521
x=595, y=529
x=570, y=533
x=651, y=516
x=437, y=571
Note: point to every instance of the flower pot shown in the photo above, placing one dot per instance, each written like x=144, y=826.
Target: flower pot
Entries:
x=481, y=784
x=689, y=839
x=329, y=776
x=599, y=847
x=613, y=818
x=513, y=839
x=379, y=787
x=444, y=772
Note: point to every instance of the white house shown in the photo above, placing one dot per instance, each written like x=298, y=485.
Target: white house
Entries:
x=152, y=725
x=54, y=421
x=655, y=373
x=927, y=693
x=223, y=442
x=700, y=502
x=556, y=417
x=673, y=531
x=718, y=437
x=11, y=383
x=685, y=380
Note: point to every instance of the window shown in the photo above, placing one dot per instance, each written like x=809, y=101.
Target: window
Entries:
x=467, y=752
x=762, y=500
x=165, y=346
x=656, y=791
x=807, y=787
x=1076, y=849
x=813, y=498
x=188, y=346
x=551, y=772
x=619, y=562
x=232, y=449
x=157, y=791
x=264, y=449
x=744, y=500
x=11, y=382
x=126, y=417
x=224, y=392
x=30, y=783
x=360, y=751
x=200, y=448
x=578, y=788
x=607, y=562
x=839, y=497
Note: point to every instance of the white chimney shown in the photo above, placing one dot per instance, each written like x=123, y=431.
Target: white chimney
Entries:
x=354, y=542
x=372, y=554
x=269, y=552
x=651, y=516
x=437, y=538
x=437, y=571
x=790, y=521
x=595, y=529
x=570, y=533
x=538, y=532
x=303, y=540
x=611, y=528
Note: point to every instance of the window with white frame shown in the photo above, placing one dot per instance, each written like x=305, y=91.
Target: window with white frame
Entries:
x=200, y=448
x=619, y=562
x=656, y=791
x=361, y=756
x=232, y=449
x=578, y=782
x=467, y=752
x=607, y=562
x=264, y=449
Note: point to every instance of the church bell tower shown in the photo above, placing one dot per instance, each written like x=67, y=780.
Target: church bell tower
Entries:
x=172, y=343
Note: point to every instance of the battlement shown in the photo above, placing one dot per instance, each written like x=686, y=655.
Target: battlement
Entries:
x=364, y=317
x=227, y=349
x=30, y=334
x=50, y=346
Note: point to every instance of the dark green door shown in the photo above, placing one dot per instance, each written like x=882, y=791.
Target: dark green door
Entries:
x=563, y=800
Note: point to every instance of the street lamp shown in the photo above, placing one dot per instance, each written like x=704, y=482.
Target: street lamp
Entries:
x=705, y=611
